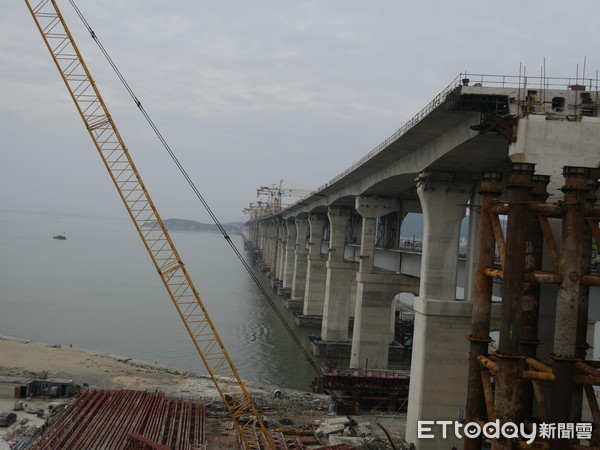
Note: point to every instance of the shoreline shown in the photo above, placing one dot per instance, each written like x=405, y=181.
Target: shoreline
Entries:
x=124, y=359
x=25, y=357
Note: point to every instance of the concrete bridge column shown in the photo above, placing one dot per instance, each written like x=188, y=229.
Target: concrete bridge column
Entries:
x=273, y=247
x=314, y=291
x=443, y=204
x=374, y=293
x=300, y=261
x=279, y=251
x=289, y=257
x=336, y=309
x=439, y=368
x=266, y=241
x=282, y=247
x=262, y=240
x=259, y=235
x=472, y=246
x=269, y=245
x=254, y=233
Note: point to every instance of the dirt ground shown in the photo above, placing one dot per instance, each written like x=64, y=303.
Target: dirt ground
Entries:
x=292, y=410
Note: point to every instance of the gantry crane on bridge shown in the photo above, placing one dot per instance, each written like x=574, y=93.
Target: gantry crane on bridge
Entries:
x=148, y=223
x=275, y=193
x=256, y=210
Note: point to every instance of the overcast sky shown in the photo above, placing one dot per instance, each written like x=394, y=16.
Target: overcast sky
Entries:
x=251, y=92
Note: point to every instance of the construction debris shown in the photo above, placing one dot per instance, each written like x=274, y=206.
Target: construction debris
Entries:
x=343, y=430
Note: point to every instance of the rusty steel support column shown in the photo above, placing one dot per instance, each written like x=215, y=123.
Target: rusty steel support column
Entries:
x=508, y=399
x=531, y=291
x=565, y=330
x=482, y=306
x=581, y=345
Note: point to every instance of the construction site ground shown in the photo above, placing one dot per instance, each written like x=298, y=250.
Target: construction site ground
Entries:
x=292, y=410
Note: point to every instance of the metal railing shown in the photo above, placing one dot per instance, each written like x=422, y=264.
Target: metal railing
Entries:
x=520, y=81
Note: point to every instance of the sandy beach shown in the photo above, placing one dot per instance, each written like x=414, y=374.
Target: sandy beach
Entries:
x=21, y=357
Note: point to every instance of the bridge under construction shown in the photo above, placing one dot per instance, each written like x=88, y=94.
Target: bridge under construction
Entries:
x=502, y=331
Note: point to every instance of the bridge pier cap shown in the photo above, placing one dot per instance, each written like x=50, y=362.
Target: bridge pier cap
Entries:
x=372, y=207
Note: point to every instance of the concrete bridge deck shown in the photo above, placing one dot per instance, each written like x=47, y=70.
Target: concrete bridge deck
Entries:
x=440, y=139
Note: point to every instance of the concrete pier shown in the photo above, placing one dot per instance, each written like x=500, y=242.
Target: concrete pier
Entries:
x=443, y=202
x=280, y=245
x=375, y=292
x=314, y=291
x=340, y=273
x=300, y=263
x=274, y=259
x=289, y=258
x=441, y=331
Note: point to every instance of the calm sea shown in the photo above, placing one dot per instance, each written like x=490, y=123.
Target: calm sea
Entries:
x=98, y=290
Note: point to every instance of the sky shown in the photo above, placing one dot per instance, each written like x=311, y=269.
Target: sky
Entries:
x=248, y=93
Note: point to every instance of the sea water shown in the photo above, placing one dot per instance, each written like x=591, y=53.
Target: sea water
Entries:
x=98, y=290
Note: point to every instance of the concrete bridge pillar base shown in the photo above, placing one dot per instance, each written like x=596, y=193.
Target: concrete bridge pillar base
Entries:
x=336, y=310
x=294, y=305
x=304, y=321
x=285, y=292
x=439, y=347
x=275, y=284
x=439, y=367
x=332, y=349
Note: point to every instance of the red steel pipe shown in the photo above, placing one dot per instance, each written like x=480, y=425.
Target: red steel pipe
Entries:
x=565, y=330
x=482, y=306
x=531, y=292
x=508, y=399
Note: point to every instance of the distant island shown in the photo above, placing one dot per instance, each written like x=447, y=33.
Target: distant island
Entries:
x=192, y=225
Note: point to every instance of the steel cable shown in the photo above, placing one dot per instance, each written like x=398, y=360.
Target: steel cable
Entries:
x=196, y=191
x=204, y=203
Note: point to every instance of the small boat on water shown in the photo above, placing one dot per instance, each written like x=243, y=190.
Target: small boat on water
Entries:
x=62, y=237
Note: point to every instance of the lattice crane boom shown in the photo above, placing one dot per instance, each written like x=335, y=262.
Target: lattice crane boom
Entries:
x=148, y=223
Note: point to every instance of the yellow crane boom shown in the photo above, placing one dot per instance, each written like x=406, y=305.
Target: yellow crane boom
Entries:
x=148, y=223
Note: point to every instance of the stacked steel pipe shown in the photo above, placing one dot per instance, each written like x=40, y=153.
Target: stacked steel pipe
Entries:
x=124, y=419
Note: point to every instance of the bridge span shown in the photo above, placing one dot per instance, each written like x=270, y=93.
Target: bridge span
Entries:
x=486, y=148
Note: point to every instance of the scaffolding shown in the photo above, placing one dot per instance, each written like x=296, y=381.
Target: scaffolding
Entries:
x=519, y=383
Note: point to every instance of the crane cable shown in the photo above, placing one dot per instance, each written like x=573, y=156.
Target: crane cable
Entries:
x=196, y=191
x=239, y=255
